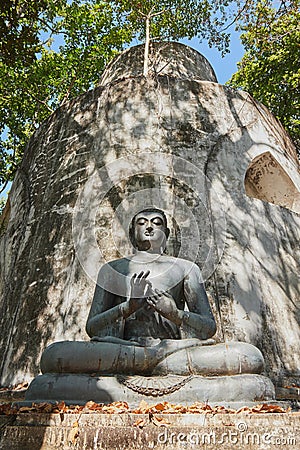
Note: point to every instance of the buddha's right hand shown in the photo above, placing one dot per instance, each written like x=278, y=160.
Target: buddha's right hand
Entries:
x=139, y=290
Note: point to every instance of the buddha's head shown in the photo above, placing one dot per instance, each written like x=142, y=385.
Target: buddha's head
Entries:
x=149, y=230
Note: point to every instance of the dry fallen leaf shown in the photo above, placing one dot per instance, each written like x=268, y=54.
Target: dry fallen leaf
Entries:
x=143, y=408
x=159, y=421
x=18, y=387
x=74, y=433
x=199, y=408
x=93, y=406
x=265, y=408
x=115, y=408
x=75, y=409
x=43, y=407
x=223, y=410
x=160, y=406
x=244, y=409
x=139, y=423
x=7, y=409
x=26, y=409
x=178, y=409
x=60, y=407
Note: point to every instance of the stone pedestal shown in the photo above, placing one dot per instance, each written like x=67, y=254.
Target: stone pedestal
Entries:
x=235, y=390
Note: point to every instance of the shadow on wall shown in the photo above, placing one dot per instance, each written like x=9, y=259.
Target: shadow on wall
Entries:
x=257, y=284
x=266, y=180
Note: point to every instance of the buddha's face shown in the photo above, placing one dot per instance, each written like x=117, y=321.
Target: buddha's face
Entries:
x=150, y=231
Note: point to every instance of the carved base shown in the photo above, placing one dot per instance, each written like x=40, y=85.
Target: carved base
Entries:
x=80, y=388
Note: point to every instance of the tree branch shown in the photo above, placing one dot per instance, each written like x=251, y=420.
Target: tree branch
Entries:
x=150, y=15
x=236, y=18
x=67, y=94
x=42, y=102
x=3, y=187
x=158, y=13
x=53, y=30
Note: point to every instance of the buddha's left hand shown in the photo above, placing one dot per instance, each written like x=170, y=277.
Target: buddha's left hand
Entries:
x=165, y=305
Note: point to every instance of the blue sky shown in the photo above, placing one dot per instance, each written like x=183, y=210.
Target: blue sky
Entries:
x=223, y=67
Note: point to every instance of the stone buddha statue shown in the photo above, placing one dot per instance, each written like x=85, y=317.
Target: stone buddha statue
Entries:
x=151, y=329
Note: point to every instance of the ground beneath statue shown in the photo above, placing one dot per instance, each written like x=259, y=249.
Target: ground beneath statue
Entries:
x=160, y=426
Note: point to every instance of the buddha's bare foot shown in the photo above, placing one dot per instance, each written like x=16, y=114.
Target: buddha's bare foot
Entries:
x=114, y=340
x=168, y=346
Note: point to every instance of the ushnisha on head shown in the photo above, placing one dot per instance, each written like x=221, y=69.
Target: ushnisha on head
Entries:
x=149, y=230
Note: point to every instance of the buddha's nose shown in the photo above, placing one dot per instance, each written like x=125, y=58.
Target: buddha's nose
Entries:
x=149, y=228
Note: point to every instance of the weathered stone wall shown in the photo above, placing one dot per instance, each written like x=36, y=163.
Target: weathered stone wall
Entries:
x=135, y=141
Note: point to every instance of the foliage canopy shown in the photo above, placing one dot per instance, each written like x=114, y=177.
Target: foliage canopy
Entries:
x=270, y=68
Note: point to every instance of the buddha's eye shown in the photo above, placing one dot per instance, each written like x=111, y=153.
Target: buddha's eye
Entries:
x=157, y=221
x=141, y=221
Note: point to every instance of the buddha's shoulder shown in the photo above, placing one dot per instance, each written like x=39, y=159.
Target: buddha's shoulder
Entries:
x=184, y=264
x=120, y=263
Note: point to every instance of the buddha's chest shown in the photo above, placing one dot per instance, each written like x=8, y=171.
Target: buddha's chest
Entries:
x=163, y=275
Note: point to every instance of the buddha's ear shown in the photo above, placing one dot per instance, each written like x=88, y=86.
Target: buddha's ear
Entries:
x=167, y=232
x=131, y=234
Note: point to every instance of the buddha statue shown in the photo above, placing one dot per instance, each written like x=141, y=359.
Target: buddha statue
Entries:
x=151, y=329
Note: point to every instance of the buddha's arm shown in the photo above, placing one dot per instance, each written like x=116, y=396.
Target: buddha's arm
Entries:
x=104, y=312
x=103, y=315
x=198, y=321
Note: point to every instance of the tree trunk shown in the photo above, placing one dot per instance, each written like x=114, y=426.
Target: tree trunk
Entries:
x=147, y=43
